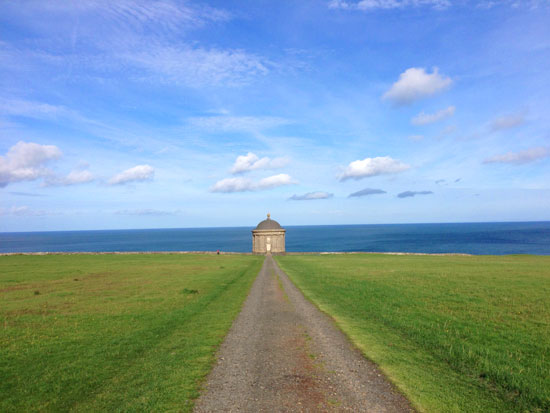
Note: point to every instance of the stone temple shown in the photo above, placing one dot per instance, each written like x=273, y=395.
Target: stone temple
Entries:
x=268, y=237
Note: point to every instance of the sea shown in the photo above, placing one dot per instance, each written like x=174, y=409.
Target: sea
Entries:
x=495, y=238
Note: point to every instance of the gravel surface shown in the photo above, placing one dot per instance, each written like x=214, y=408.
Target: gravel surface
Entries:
x=283, y=355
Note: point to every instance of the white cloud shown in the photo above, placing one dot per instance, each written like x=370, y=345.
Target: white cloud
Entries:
x=275, y=181
x=310, y=196
x=387, y=4
x=73, y=178
x=26, y=161
x=251, y=162
x=521, y=157
x=367, y=167
x=427, y=118
x=508, y=121
x=138, y=173
x=244, y=184
x=233, y=185
x=414, y=83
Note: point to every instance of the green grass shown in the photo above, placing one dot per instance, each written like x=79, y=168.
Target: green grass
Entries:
x=454, y=333
x=114, y=332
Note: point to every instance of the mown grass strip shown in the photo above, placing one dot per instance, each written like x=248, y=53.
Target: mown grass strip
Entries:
x=455, y=334
x=114, y=333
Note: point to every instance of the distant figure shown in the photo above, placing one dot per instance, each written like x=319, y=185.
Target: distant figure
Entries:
x=268, y=237
x=218, y=252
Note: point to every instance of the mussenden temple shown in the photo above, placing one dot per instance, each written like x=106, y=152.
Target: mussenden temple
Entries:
x=268, y=237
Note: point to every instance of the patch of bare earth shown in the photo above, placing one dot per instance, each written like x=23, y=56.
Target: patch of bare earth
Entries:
x=283, y=355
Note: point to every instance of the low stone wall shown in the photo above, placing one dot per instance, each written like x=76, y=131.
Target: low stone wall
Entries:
x=127, y=253
x=226, y=253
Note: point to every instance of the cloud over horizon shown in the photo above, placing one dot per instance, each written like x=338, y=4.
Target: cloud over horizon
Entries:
x=146, y=212
x=521, y=157
x=138, y=173
x=381, y=165
x=23, y=211
x=310, y=196
x=414, y=84
x=366, y=191
x=410, y=194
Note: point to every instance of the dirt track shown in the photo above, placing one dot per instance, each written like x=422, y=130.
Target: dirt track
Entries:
x=283, y=355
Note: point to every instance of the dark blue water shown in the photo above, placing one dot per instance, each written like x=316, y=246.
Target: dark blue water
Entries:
x=471, y=238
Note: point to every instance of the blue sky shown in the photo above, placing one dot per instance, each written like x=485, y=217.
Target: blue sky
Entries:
x=151, y=114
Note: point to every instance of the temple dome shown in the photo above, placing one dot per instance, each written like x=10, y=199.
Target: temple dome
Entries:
x=268, y=224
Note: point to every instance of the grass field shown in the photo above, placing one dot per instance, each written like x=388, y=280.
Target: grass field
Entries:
x=454, y=333
x=114, y=332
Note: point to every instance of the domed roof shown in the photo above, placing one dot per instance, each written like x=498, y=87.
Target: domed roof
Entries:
x=268, y=224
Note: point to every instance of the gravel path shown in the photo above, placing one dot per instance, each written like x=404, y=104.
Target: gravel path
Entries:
x=283, y=355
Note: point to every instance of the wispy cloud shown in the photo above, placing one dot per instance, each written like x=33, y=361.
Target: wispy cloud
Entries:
x=427, y=118
x=529, y=4
x=31, y=109
x=414, y=84
x=367, y=5
x=367, y=167
x=371, y=5
x=30, y=194
x=509, y=121
x=521, y=157
x=410, y=194
x=196, y=66
x=147, y=212
x=26, y=161
x=142, y=40
x=237, y=123
x=23, y=211
x=162, y=16
x=310, y=196
x=73, y=178
x=138, y=173
x=448, y=130
x=365, y=192
x=239, y=184
x=251, y=162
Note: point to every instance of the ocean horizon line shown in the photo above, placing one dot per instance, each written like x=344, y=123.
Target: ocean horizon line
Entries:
x=284, y=226
x=478, y=238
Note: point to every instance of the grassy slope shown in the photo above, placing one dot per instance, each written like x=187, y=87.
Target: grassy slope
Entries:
x=454, y=333
x=114, y=332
